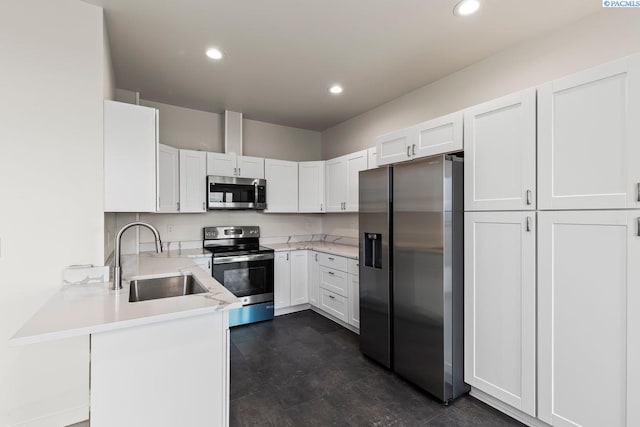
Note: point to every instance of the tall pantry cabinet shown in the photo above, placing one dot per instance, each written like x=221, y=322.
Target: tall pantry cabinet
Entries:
x=500, y=249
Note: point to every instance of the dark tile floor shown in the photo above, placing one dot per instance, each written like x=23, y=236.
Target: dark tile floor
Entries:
x=305, y=370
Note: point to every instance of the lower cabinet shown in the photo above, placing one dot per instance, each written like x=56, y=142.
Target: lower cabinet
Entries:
x=314, y=278
x=334, y=304
x=290, y=278
x=354, y=300
x=282, y=280
x=589, y=318
x=500, y=306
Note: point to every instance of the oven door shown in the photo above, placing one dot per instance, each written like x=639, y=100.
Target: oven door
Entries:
x=249, y=277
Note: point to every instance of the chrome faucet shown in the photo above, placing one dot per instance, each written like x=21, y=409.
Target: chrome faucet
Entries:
x=117, y=273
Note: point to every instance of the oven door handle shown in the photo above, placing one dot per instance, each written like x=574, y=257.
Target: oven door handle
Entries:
x=241, y=258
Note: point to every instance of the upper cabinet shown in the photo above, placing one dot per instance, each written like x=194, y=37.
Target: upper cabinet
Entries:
x=372, y=158
x=500, y=154
x=222, y=164
x=168, y=179
x=282, y=185
x=437, y=136
x=311, y=187
x=588, y=138
x=342, y=181
x=130, y=158
x=193, y=181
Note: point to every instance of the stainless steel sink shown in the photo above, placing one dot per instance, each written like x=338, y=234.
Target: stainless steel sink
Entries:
x=164, y=287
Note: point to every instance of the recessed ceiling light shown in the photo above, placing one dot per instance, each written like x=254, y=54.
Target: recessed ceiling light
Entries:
x=214, y=53
x=466, y=7
x=335, y=89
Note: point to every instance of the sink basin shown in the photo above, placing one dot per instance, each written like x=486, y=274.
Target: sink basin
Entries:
x=164, y=287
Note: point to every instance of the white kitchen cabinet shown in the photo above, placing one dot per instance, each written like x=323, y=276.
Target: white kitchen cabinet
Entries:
x=437, y=136
x=282, y=280
x=130, y=158
x=204, y=263
x=334, y=280
x=223, y=164
x=589, y=318
x=354, y=300
x=500, y=306
x=372, y=158
x=588, y=133
x=356, y=162
x=250, y=167
x=282, y=185
x=336, y=188
x=299, y=277
x=193, y=181
x=311, y=187
x=168, y=179
x=314, y=278
x=394, y=147
x=500, y=154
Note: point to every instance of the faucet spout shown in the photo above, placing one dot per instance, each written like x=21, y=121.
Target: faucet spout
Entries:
x=117, y=271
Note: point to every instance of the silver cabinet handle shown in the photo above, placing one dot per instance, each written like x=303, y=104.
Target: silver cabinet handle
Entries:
x=209, y=265
x=235, y=171
x=239, y=173
x=528, y=197
x=331, y=273
x=638, y=191
x=331, y=258
x=638, y=227
x=287, y=256
x=320, y=207
x=204, y=207
x=413, y=149
x=332, y=297
x=528, y=223
x=177, y=205
x=408, y=151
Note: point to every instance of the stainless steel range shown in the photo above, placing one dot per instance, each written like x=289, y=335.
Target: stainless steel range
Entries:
x=245, y=268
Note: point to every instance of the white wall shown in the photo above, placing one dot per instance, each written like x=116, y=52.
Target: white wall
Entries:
x=601, y=37
x=52, y=85
x=201, y=130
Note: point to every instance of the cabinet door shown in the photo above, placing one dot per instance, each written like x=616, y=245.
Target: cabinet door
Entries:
x=356, y=162
x=130, y=158
x=282, y=185
x=311, y=187
x=500, y=154
x=336, y=188
x=250, y=167
x=500, y=306
x=168, y=179
x=354, y=300
x=193, y=181
x=299, y=277
x=221, y=164
x=314, y=278
x=394, y=147
x=437, y=136
x=334, y=304
x=588, y=138
x=589, y=329
x=282, y=280
x=372, y=158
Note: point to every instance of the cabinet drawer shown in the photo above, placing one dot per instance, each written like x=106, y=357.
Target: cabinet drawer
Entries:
x=334, y=304
x=353, y=266
x=334, y=280
x=333, y=261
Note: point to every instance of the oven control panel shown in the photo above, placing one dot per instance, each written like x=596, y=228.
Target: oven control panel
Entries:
x=212, y=233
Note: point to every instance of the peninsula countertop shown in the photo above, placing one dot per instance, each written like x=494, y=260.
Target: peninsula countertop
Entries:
x=82, y=309
x=338, y=249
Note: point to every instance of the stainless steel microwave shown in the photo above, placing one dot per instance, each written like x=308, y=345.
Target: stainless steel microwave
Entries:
x=226, y=192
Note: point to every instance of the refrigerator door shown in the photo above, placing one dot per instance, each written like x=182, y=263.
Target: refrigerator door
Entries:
x=419, y=238
x=375, y=264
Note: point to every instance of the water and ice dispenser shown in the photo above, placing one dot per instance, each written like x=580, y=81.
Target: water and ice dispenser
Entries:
x=373, y=250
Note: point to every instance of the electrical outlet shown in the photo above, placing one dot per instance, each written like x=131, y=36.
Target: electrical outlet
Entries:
x=169, y=229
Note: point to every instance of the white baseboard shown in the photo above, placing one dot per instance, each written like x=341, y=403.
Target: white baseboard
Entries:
x=292, y=309
x=510, y=411
x=63, y=418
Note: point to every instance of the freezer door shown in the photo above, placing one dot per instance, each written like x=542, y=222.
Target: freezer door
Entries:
x=419, y=200
x=375, y=264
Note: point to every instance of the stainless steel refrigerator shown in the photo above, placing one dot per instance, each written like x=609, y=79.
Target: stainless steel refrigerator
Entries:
x=411, y=272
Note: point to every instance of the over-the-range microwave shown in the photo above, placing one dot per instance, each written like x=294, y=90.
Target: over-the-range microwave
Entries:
x=226, y=192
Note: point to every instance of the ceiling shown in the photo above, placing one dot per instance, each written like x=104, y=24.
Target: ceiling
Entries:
x=281, y=56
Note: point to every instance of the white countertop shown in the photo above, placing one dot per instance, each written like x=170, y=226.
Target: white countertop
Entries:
x=84, y=309
x=347, y=251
